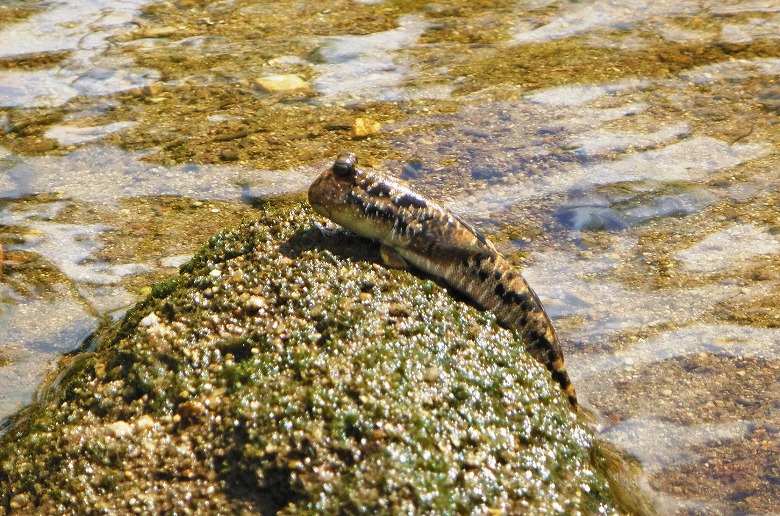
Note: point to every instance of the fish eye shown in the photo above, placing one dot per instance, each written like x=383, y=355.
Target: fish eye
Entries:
x=345, y=164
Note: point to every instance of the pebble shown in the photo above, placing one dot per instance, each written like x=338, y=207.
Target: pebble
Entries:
x=281, y=83
x=149, y=320
x=255, y=304
x=120, y=429
x=228, y=154
x=145, y=422
x=363, y=127
x=431, y=374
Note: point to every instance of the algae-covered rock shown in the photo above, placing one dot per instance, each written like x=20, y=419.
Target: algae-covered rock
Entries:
x=284, y=370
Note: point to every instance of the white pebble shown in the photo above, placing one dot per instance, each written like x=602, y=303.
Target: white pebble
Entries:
x=149, y=320
x=120, y=429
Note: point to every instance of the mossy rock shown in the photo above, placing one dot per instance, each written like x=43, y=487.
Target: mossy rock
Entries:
x=284, y=370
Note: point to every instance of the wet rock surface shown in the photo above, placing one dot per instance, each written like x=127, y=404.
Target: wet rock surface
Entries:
x=130, y=132
x=285, y=370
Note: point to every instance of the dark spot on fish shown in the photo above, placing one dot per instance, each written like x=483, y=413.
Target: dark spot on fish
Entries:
x=527, y=306
x=497, y=274
x=355, y=198
x=424, y=216
x=537, y=345
x=508, y=297
x=481, y=257
x=500, y=290
x=482, y=275
x=379, y=189
x=562, y=378
x=408, y=199
x=518, y=298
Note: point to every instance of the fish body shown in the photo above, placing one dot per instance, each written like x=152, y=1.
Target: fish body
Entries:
x=415, y=230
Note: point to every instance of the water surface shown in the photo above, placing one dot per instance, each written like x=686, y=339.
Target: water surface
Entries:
x=625, y=156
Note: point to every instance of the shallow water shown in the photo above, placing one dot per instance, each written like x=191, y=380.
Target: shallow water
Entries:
x=625, y=156
x=81, y=29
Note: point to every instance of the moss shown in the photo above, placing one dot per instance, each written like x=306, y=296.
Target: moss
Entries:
x=285, y=370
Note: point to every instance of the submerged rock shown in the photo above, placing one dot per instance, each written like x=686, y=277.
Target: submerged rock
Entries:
x=281, y=83
x=284, y=370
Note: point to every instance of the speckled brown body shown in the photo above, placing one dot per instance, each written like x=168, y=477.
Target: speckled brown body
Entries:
x=431, y=238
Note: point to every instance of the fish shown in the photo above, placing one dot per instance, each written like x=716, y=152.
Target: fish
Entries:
x=415, y=230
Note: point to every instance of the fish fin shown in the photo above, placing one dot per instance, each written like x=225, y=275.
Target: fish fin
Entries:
x=391, y=258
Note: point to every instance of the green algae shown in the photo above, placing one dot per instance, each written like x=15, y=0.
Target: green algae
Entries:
x=284, y=370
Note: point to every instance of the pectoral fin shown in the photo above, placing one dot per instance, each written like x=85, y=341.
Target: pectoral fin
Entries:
x=391, y=258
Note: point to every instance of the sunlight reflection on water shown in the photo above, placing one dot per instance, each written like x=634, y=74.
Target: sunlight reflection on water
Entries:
x=34, y=332
x=82, y=29
x=366, y=67
x=105, y=175
x=575, y=18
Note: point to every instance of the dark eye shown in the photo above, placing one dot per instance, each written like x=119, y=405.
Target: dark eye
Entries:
x=345, y=164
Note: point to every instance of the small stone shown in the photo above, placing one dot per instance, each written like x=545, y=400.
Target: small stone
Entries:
x=149, y=320
x=255, y=304
x=281, y=83
x=20, y=500
x=120, y=429
x=431, y=374
x=228, y=154
x=155, y=88
x=363, y=127
x=145, y=422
